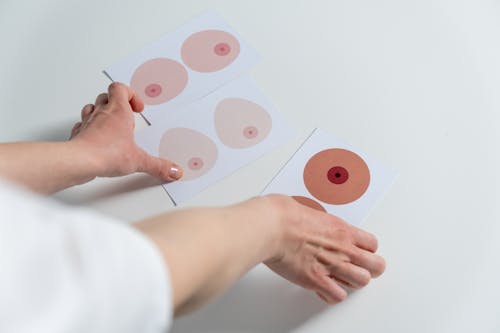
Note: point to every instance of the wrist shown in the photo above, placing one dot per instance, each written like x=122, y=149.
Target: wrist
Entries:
x=278, y=209
x=87, y=165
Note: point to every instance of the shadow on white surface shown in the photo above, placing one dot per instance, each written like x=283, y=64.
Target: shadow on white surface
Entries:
x=97, y=191
x=260, y=302
x=59, y=131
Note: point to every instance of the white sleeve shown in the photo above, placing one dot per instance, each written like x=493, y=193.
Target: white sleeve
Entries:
x=69, y=270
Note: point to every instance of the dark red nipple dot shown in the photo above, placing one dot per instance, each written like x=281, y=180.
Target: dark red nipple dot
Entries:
x=337, y=175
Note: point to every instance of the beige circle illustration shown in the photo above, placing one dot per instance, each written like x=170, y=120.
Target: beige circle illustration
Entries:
x=336, y=176
x=309, y=202
x=159, y=80
x=195, y=152
x=241, y=123
x=210, y=50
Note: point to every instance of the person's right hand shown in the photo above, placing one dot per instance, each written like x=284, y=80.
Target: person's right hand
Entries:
x=321, y=252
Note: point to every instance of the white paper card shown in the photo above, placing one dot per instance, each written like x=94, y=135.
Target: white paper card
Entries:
x=328, y=174
x=215, y=136
x=185, y=65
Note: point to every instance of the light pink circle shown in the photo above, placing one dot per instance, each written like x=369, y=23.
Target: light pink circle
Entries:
x=250, y=132
x=153, y=90
x=241, y=123
x=222, y=49
x=159, y=80
x=195, y=163
x=195, y=152
x=210, y=50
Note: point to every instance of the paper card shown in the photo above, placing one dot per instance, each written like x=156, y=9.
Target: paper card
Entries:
x=215, y=136
x=185, y=65
x=328, y=174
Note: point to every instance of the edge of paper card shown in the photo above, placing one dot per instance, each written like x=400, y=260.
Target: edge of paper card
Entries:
x=288, y=161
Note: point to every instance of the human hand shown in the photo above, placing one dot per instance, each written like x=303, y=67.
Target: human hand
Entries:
x=321, y=252
x=106, y=129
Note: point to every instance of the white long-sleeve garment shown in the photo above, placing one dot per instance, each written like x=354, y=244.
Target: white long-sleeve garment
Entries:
x=71, y=270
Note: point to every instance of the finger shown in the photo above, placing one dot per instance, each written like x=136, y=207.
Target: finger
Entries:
x=87, y=111
x=160, y=168
x=101, y=99
x=323, y=297
x=364, y=239
x=346, y=285
x=374, y=263
x=75, y=130
x=330, y=291
x=119, y=93
x=354, y=276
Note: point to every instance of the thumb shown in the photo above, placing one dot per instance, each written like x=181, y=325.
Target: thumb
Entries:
x=160, y=168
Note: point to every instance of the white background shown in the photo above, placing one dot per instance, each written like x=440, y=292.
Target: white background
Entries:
x=414, y=83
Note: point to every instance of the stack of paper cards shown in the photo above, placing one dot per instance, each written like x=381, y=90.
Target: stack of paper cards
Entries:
x=215, y=136
x=211, y=123
x=199, y=119
x=185, y=65
x=329, y=175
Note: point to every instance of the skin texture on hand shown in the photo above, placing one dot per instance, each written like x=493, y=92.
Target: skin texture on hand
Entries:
x=323, y=253
x=101, y=145
x=208, y=249
x=107, y=128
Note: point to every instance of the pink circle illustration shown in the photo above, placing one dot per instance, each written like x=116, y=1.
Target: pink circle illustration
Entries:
x=336, y=176
x=159, y=80
x=241, y=123
x=309, y=203
x=195, y=152
x=222, y=49
x=153, y=90
x=210, y=50
x=250, y=132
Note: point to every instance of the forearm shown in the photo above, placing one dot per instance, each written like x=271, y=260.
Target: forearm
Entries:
x=207, y=249
x=47, y=167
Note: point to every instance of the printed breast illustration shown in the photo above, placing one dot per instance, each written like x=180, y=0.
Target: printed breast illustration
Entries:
x=195, y=152
x=159, y=80
x=336, y=176
x=241, y=123
x=210, y=50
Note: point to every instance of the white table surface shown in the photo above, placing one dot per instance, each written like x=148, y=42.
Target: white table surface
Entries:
x=414, y=83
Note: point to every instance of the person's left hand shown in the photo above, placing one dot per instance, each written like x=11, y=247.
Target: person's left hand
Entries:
x=107, y=130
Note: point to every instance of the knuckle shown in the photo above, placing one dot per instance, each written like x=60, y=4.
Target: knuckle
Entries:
x=353, y=253
x=102, y=97
x=116, y=85
x=316, y=272
x=342, y=235
x=334, y=264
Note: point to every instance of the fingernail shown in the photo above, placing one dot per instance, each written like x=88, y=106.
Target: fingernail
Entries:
x=175, y=172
